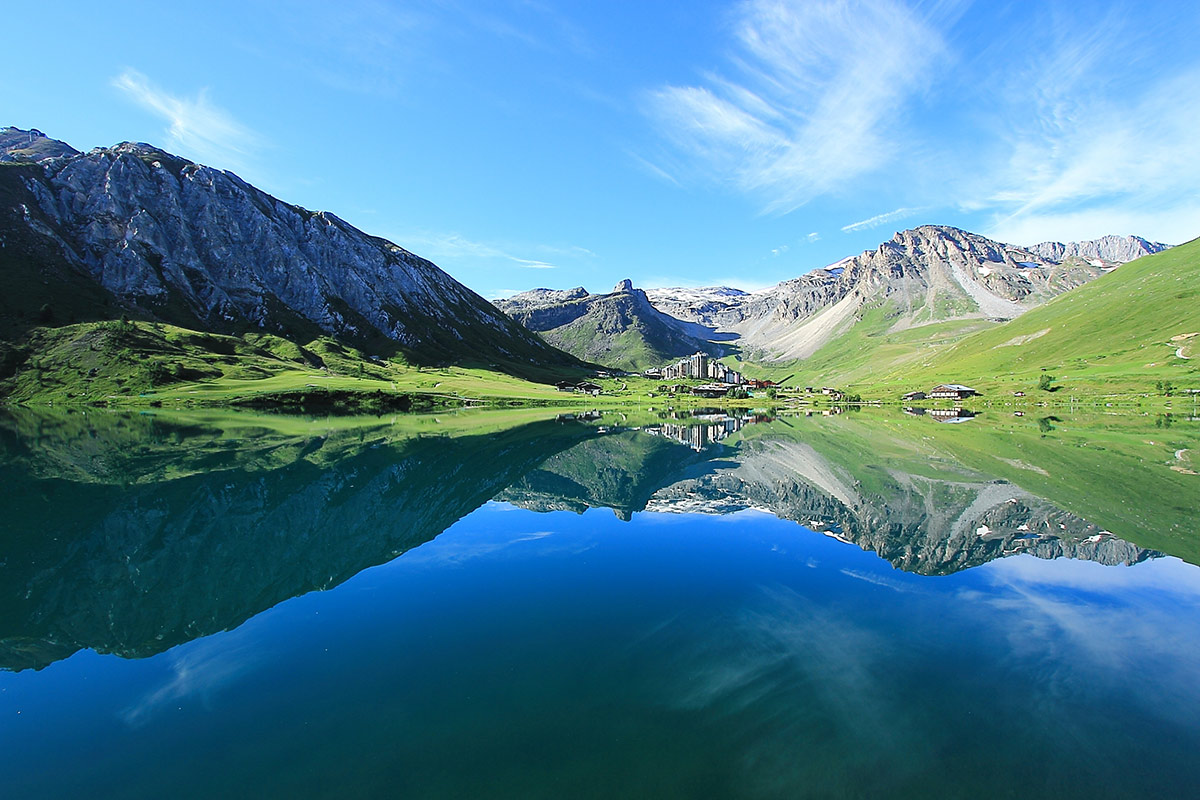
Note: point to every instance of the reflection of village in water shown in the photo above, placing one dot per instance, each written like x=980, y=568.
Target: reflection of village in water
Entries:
x=700, y=428
x=956, y=414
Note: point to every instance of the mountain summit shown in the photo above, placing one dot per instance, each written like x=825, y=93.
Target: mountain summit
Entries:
x=620, y=329
x=135, y=230
x=934, y=273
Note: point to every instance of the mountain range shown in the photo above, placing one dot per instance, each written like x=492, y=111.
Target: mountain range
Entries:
x=927, y=275
x=133, y=230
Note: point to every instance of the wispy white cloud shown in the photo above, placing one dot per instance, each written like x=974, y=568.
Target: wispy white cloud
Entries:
x=368, y=47
x=815, y=102
x=813, y=237
x=1089, y=151
x=778, y=251
x=455, y=246
x=196, y=127
x=880, y=219
x=654, y=169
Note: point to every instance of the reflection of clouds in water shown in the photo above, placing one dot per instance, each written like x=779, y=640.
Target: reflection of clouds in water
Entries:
x=1130, y=631
x=808, y=693
x=201, y=670
x=1166, y=574
x=880, y=580
x=458, y=547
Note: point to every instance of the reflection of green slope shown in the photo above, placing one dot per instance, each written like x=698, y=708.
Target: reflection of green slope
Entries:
x=928, y=524
x=1113, y=471
x=135, y=567
x=98, y=446
x=618, y=471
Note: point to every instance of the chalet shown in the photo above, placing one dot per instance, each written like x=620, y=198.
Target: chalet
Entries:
x=565, y=386
x=587, y=387
x=710, y=390
x=914, y=396
x=951, y=391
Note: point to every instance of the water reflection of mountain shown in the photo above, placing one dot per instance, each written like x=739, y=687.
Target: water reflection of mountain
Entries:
x=133, y=562
x=927, y=525
x=942, y=521
x=130, y=534
x=619, y=470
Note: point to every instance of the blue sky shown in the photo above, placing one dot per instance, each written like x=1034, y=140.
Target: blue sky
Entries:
x=521, y=143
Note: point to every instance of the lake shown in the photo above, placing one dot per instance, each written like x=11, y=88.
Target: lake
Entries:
x=656, y=604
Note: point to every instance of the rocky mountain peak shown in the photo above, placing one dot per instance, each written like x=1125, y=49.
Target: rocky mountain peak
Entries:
x=31, y=145
x=160, y=237
x=624, y=286
x=1110, y=249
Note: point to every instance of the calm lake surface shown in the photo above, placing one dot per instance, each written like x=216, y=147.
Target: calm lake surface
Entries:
x=505, y=604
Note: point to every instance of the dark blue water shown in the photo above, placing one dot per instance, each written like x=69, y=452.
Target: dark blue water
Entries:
x=562, y=654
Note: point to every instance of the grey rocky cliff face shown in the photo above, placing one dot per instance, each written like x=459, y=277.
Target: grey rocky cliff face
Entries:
x=194, y=245
x=1111, y=249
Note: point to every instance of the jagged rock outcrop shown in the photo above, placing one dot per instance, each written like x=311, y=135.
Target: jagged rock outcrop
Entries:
x=133, y=229
x=697, y=305
x=621, y=329
x=1110, y=250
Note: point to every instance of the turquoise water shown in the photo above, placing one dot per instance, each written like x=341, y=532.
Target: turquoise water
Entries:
x=471, y=618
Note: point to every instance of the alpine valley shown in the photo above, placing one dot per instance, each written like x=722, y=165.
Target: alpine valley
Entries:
x=132, y=273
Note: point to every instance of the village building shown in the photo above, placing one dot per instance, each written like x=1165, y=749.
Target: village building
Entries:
x=698, y=366
x=951, y=391
x=587, y=387
x=913, y=396
x=710, y=390
x=565, y=386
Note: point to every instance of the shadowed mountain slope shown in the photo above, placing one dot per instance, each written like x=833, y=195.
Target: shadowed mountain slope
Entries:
x=134, y=230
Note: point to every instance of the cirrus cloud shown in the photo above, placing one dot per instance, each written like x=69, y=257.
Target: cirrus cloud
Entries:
x=817, y=86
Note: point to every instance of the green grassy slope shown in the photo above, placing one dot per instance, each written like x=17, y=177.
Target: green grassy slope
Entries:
x=866, y=348
x=135, y=363
x=1121, y=333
